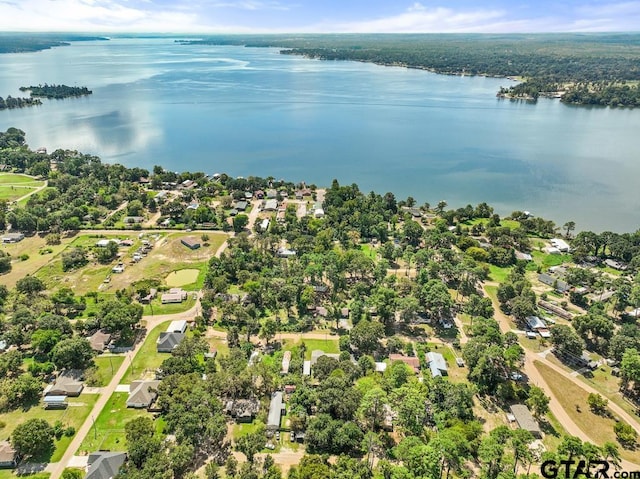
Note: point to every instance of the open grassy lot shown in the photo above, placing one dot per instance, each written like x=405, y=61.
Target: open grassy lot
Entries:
x=14, y=186
x=31, y=246
x=148, y=359
x=456, y=373
x=74, y=415
x=574, y=401
x=546, y=261
x=106, y=366
x=156, y=306
x=498, y=274
x=328, y=346
x=167, y=256
x=108, y=430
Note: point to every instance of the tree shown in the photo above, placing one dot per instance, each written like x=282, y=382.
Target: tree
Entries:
x=44, y=340
x=30, y=285
x=371, y=410
x=625, y=434
x=538, y=401
x=268, y=330
x=252, y=443
x=74, y=258
x=240, y=222
x=365, y=336
x=33, y=437
x=566, y=340
x=72, y=473
x=569, y=226
x=72, y=353
x=597, y=403
x=630, y=367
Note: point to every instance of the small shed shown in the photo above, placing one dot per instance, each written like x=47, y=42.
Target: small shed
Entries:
x=55, y=402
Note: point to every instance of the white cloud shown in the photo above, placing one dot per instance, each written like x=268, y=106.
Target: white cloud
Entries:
x=251, y=5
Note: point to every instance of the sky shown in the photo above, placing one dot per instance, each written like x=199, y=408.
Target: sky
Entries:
x=320, y=16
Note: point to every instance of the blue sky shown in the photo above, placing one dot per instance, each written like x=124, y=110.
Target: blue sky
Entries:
x=279, y=16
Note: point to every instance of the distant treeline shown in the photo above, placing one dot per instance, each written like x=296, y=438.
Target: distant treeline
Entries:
x=543, y=60
x=33, y=42
x=56, y=91
x=11, y=102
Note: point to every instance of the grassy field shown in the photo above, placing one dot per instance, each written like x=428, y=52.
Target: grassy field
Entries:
x=156, y=306
x=182, y=277
x=108, y=430
x=167, y=256
x=74, y=415
x=328, y=346
x=30, y=246
x=574, y=401
x=498, y=274
x=548, y=260
x=106, y=367
x=14, y=186
x=148, y=359
x=369, y=250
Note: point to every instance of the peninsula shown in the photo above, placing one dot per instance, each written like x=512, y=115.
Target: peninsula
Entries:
x=56, y=92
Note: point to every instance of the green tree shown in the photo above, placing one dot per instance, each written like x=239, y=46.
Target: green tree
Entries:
x=240, y=222
x=252, y=443
x=30, y=285
x=365, y=336
x=72, y=353
x=33, y=438
x=566, y=340
x=538, y=401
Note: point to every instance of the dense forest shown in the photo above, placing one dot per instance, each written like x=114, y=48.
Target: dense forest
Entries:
x=56, y=91
x=542, y=60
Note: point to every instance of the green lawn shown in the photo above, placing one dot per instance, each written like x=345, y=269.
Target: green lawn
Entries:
x=148, y=359
x=9, y=474
x=330, y=346
x=368, y=250
x=156, y=306
x=499, y=274
x=547, y=260
x=74, y=415
x=108, y=430
x=14, y=186
x=106, y=367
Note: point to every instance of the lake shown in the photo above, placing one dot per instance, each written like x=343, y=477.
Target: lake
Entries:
x=252, y=111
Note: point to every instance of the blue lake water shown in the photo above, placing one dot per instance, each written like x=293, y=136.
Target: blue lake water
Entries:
x=252, y=111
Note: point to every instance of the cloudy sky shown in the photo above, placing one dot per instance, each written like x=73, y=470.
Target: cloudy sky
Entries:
x=276, y=16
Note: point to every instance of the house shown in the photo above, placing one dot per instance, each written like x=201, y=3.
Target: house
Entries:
x=560, y=244
x=126, y=242
x=133, y=219
x=410, y=361
x=286, y=361
x=190, y=242
x=276, y=410
x=167, y=342
x=142, y=393
x=161, y=195
x=557, y=284
x=103, y=243
x=525, y=420
x=537, y=325
x=12, y=237
x=270, y=205
x=381, y=367
x=7, y=455
x=242, y=410
x=557, y=310
x=99, y=341
x=241, y=205
x=55, y=402
x=611, y=263
x=635, y=313
x=105, y=464
x=259, y=194
x=174, y=295
x=271, y=193
x=178, y=326
x=437, y=364
x=264, y=224
x=318, y=211
x=149, y=297
x=193, y=206
x=322, y=311
x=551, y=250
x=523, y=256
x=68, y=383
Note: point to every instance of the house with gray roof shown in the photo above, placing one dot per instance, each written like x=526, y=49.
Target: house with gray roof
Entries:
x=437, y=364
x=276, y=410
x=142, y=393
x=68, y=383
x=525, y=420
x=557, y=284
x=105, y=464
x=168, y=341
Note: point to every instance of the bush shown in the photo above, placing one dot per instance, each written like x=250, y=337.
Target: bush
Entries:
x=24, y=257
x=70, y=431
x=625, y=434
x=3, y=424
